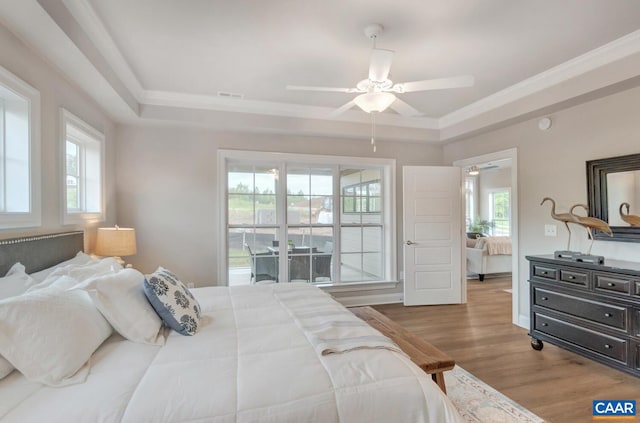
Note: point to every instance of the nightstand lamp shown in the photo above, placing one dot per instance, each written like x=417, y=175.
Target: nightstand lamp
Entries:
x=116, y=242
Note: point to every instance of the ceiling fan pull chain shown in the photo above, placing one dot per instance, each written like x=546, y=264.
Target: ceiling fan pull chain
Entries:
x=373, y=130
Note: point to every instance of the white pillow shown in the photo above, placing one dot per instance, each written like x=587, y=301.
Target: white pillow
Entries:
x=121, y=300
x=67, y=277
x=80, y=258
x=48, y=335
x=16, y=282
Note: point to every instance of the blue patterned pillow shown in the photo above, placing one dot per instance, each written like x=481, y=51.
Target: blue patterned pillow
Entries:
x=173, y=302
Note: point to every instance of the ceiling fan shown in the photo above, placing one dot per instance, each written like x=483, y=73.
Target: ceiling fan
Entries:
x=378, y=92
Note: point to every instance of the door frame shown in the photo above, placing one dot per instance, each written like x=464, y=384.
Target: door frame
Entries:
x=512, y=154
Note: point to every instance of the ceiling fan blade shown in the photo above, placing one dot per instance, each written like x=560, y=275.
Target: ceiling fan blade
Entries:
x=380, y=64
x=330, y=89
x=435, y=84
x=404, y=109
x=340, y=110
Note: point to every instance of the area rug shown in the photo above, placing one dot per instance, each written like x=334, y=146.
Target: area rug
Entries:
x=477, y=402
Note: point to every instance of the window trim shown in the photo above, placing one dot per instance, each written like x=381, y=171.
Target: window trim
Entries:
x=79, y=217
x=32, y=218
x=389, y=209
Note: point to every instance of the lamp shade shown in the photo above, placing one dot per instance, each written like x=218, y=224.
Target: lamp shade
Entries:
x=116, y=242
x=375, y=101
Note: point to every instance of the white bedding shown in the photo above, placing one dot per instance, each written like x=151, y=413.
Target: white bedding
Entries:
x=251, y=361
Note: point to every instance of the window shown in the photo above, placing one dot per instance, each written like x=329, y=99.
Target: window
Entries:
x=500, y=211
x=19, y=153
x=285, y=206
x=362, y=197
x=83, y=148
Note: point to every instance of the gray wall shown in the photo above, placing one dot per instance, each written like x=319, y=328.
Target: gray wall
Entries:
x=552, y=163
x=56, y=92
x=167, y=188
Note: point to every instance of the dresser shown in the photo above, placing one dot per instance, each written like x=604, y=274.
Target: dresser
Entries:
x=590, y=309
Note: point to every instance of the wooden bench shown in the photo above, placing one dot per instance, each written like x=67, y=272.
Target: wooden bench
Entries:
x=426, y=356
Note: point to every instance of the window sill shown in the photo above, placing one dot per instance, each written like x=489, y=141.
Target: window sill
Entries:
x=80, y=218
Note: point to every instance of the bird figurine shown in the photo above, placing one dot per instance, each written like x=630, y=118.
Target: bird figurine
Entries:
x=631, y=219
x=565, y=218
x=591, y=223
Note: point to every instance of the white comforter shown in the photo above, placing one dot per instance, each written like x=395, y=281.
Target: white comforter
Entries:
x=251, y=361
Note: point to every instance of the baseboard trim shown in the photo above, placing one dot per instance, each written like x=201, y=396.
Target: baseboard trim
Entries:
x=362, y=300
x=524, y=322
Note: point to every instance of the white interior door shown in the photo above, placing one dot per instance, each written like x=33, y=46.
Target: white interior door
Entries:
x=432, y=204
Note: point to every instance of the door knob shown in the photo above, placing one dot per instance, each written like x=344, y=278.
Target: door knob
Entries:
x=410, y=242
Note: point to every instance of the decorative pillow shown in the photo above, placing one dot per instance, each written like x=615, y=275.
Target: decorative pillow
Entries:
x=173, y=302
x=67, y=277
x=53, y=344
x=121, y=300
x=80, y=258
x=16, y=282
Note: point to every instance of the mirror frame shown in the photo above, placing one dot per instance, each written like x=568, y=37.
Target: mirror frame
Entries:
x=597, y=171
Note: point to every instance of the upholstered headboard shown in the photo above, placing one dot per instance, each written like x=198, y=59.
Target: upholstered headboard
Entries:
x=39, y=251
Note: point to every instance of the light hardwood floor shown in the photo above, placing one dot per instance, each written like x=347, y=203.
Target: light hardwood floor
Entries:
x=556, y=384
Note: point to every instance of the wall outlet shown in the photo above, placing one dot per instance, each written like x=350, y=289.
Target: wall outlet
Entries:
x=550, y=230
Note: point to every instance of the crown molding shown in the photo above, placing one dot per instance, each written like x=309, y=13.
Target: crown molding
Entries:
x=601, y=56
x=208, y=102
x=92, y=25
x=95, y=30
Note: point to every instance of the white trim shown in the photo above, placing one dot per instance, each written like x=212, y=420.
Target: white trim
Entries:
x=359, y=286
x=363, y=300
x=512, y=154
x=225, y=104
x=88, y=19
x=72, y=218
x=524, y=321
x=33, y=218
x=599, y=57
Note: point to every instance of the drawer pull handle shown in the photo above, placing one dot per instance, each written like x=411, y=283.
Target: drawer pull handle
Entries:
x=544, y=298
x=608, y=346
x=611, y=284
x=543, y=272
x=545, y=324
x=572, y=277
x=608, y=315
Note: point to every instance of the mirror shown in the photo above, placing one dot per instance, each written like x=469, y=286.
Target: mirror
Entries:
x=612, y=184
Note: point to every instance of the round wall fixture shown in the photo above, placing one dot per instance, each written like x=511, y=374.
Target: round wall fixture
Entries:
x=544, y=124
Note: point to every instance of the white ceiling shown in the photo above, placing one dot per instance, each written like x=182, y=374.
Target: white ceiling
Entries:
x=168, y=59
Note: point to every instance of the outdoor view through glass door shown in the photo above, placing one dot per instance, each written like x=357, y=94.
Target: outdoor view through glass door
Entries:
x=290, y=221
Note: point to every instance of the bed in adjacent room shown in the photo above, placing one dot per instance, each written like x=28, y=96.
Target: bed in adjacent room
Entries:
x=89, y=346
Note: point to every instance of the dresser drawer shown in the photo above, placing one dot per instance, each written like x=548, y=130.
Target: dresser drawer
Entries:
x=545, y=272
x=606, y=345
x=571, y=276
x=612, y=283
x=595, y=311
x=636, y=288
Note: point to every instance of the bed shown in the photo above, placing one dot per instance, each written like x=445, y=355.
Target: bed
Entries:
x=256, y=357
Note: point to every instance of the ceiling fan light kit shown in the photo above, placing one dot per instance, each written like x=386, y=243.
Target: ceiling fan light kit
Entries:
x=374, y=101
